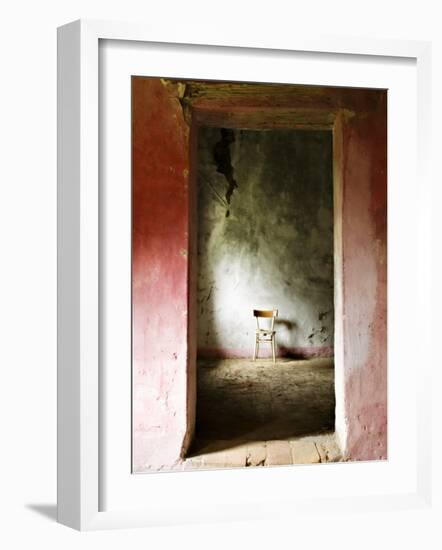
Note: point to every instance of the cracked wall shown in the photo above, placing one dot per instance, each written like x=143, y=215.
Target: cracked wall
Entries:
x=265, y=239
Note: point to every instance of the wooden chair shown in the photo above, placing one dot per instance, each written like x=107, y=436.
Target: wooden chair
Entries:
x=265, y=335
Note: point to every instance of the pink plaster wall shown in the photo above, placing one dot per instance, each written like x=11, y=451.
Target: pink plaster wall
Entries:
x=365, y=283
x=160, y=205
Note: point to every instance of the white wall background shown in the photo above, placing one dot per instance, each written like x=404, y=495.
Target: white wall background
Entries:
x=28, y=277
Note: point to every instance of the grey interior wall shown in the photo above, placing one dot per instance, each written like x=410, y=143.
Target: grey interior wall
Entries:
x=265, y=238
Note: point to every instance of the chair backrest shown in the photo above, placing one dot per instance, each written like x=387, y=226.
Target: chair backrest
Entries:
x=268, y=313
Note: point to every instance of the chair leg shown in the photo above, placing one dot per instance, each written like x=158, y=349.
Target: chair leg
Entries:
x=273, y=349
x=256, y=346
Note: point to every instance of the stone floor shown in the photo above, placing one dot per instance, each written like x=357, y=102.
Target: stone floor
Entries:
x=263, y=414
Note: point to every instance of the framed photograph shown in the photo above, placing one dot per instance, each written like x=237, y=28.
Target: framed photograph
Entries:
x=235, y=242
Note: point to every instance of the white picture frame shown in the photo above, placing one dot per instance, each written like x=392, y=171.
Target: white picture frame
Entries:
x=79, y=437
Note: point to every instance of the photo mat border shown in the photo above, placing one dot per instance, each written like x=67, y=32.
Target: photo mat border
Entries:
x=78, y=266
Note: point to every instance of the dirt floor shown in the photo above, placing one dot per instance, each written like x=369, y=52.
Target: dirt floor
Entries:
x=263, y=414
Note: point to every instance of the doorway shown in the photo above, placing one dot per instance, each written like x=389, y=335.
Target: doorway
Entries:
x=265, y=240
